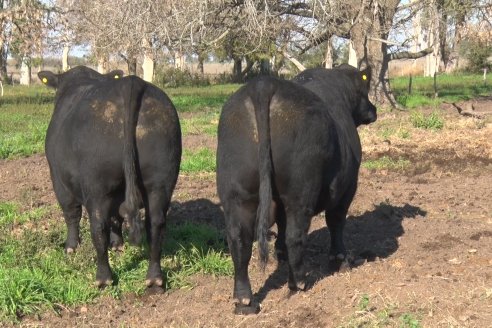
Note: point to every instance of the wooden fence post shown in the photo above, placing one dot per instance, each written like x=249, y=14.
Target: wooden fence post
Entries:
x=436, y=94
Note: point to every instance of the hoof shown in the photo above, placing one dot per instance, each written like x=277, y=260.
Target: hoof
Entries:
x=103, y=283
x=344, y=266
x=69, y=250
x=118, y=248
x=338, y=257
x=158, y=282
x=242, y=309
x=299, y=286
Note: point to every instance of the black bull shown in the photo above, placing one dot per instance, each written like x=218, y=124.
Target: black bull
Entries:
x=289, y=149
x=114, y=146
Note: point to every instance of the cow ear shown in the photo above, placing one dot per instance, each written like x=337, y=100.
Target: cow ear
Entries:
x=116, y=74
x=366, y=75
x=48, y=78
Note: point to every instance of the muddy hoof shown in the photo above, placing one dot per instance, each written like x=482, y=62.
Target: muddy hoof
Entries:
x=344, y=266
x=158, y=282
x=242, y=309
x=118, y=248
x=103, y=283
x=337, y=257
x=297, y=287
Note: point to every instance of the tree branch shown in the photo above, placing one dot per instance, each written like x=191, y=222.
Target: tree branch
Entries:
x=294, y=61
x=409, y=55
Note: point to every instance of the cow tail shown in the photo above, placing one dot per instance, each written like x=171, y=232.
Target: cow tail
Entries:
x=129, y=209
x=262, y=95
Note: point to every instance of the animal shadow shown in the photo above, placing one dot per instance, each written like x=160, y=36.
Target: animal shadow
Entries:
x=197, y=211
x=368, y=237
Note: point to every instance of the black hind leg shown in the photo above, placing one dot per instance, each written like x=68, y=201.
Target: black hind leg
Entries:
x=99, y=216
x=155, y=220
x=280, y=246
x=72, y=212
x=116, y=235
x=240, y=221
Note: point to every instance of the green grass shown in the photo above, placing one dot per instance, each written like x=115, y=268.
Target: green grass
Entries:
x=9, y=214
x=201, y=160
x=375, y=314
x=450, y=87
x=433, y=121
x=386, y=163
x=197, y=99
x=408, y=320
x=202, y=123
x=36, y=275
x=24, y=116
x=364, y=302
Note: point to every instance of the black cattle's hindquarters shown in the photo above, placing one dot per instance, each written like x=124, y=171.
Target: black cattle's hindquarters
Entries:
x=114, y=147
x=284, y=147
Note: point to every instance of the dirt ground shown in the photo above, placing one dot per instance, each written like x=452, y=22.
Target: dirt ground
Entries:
x=420, y=239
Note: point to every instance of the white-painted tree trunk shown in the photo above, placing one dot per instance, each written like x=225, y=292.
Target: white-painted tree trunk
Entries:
x=25, y=72
x=352, y=55
x=329, y=54
x=103, y=64
x=148, y=68
x=433, y=60
x=179, y=60
x=66, y=50
x=419, y=37
x=148, y=61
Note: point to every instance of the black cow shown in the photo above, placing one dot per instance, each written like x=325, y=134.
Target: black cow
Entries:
x=114, y=146
x=286, y=152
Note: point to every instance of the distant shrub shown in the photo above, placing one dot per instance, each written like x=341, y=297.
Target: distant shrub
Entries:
x=224, y=78
x=171, y=77
x=477, y=54
x=432, y=121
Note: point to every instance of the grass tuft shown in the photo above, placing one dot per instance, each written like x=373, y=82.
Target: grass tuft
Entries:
x=433, y=121
x=386, y=163
x=201, y=160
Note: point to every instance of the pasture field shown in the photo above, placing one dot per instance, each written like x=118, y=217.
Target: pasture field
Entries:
x=419, y=230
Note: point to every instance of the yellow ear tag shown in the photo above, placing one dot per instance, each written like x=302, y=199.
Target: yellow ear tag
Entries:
x=364, y=77
x=45, y=80
x=116, y=76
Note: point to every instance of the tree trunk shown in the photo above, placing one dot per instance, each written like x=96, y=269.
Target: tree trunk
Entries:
x=148, y=61
x=237, y=76
x=265, y=67
x=148, y=67
x=25, y=71
x=3, y=63
x=131, y=62
x=434, y=60
x=179, y=60
x=103, y=64
x=201, y=67
x=459, y=28
x=374, y=53
x=202, y=55
x=352, y=61
x=329, y=54
x=65, y=66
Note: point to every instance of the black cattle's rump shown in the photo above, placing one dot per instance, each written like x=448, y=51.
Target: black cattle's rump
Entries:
x=288, y=150
x=113, y=146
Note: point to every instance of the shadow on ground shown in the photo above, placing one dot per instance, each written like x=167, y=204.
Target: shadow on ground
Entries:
x=368, y=237
x=199, y=211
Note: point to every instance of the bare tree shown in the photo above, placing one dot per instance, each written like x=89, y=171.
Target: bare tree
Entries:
x=23, y=28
